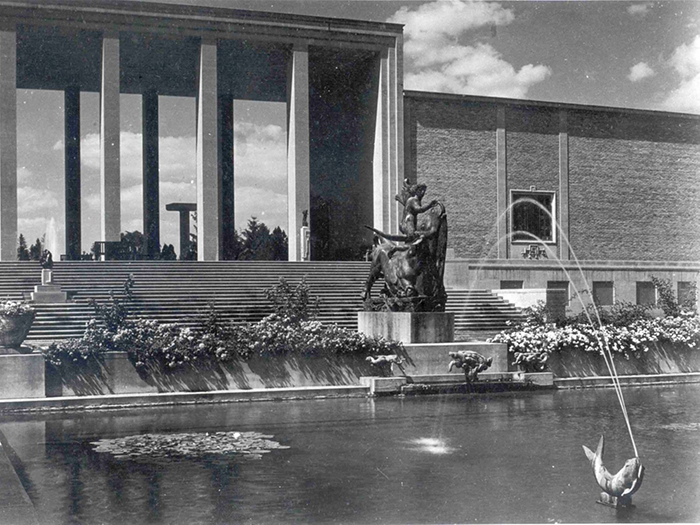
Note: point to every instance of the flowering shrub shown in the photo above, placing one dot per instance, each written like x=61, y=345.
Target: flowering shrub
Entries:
x=291, y=330
x=295, y=303
x=15, y=308
x=531, y=343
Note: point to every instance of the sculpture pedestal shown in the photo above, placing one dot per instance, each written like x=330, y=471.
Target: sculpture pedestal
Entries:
x=614, y=502
x=47, y=292
x=408, y=327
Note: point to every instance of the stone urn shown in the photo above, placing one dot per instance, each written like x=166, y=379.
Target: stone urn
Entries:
x=14, y=330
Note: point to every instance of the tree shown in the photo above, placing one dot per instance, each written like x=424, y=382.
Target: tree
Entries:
x=168, y=253
x=22, y=252
x=35, y=250
x=189, y=252
x=133, y=245
x=256, y=242
x=280, y=244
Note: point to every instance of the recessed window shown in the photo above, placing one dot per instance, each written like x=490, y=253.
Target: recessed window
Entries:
x=646, y=292
x=532, y=216
x=558, y=285
x=686, y=291
x=603, y=292
x=511, y=285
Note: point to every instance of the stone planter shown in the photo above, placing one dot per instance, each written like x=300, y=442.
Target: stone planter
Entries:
x=13, y=331
x=662, y=359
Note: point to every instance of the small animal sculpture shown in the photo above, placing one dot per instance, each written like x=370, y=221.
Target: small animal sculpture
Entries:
x=471, y=362
x=387, y=360
x=623, y=484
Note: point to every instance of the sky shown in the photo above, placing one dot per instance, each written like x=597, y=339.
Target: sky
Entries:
x=643, y=55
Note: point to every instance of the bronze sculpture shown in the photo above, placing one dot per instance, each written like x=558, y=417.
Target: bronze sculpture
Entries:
x=471, y=362
x=412, y=263
x=620, y=486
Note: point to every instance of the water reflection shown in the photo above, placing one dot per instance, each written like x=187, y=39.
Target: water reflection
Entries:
x=431, y=445
x=432, y=459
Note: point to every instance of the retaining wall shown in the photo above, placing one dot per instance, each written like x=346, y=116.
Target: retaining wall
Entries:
x=115, y=374
x=664, y=359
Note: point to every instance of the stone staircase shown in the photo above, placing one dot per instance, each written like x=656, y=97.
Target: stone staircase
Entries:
x=182, y=291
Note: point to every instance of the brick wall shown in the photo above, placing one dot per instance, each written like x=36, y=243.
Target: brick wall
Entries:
x=634, y=177
x=634, y=187
x=532, y=154
x=452, y=148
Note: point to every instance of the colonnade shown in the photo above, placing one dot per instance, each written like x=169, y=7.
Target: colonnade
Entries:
x=214, y=120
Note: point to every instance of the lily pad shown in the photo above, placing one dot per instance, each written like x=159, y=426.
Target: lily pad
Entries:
x=250, y=445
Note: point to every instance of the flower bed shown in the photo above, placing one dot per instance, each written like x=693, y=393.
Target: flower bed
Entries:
x=533, y=345
x=285, y=341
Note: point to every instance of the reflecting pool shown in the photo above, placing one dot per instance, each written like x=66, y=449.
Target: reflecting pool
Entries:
x=434, y=459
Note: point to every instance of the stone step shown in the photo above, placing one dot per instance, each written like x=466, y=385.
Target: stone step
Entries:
x=182, y=290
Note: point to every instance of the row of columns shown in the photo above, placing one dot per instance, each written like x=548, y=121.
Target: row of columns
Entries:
x=214, y=161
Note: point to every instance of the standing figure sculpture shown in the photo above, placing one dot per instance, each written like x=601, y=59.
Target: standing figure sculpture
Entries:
x=413, y=263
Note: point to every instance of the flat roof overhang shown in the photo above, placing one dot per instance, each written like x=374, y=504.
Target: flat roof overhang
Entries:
x=59, y=44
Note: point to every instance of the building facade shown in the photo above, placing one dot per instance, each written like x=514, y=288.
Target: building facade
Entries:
x=542, y=194
x=538, y=194
x=340, y=79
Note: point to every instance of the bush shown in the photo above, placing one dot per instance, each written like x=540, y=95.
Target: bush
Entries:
x=533, y=343
x=295, y=304
x=291, y=330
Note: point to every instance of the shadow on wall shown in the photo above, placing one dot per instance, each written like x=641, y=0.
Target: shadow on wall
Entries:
x=663, y=359
x=115, y=374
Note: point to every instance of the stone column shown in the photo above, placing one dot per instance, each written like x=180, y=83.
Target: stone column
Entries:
x=72, y=172
x=501, y=184
x=184, y=209
x=151, y=206
x=393, y=143
x=400, y=119
x=563, y=218
x=298, y=157
x=227, y=223
x=8, y=145
x=207, y=156
x=109, y=139
x=380, y=189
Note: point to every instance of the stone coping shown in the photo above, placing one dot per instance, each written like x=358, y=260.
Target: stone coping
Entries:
x=117, y=401
x=369, y=386
x=627, y=380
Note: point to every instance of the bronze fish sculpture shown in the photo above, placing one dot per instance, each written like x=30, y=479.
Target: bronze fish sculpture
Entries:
x=623, y=484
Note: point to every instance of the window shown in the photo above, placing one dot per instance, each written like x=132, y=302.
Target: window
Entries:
x=558, y=285
x=603, y=292
x=557, y=299
x=511, y=285
x=532, y=216
x=686, y=292
x=646, y=292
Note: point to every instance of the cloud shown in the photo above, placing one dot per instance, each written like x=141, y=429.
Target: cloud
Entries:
x=685, y=60
x=639, y=9
x=29, y=200
x=438, y=60
x=30, y=228
x=268, y=206
x=260, y=156
x=640, y=71
x=24, y=174
x=260, y=150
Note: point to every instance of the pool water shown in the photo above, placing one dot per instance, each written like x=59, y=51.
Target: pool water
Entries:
x=503, y=458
